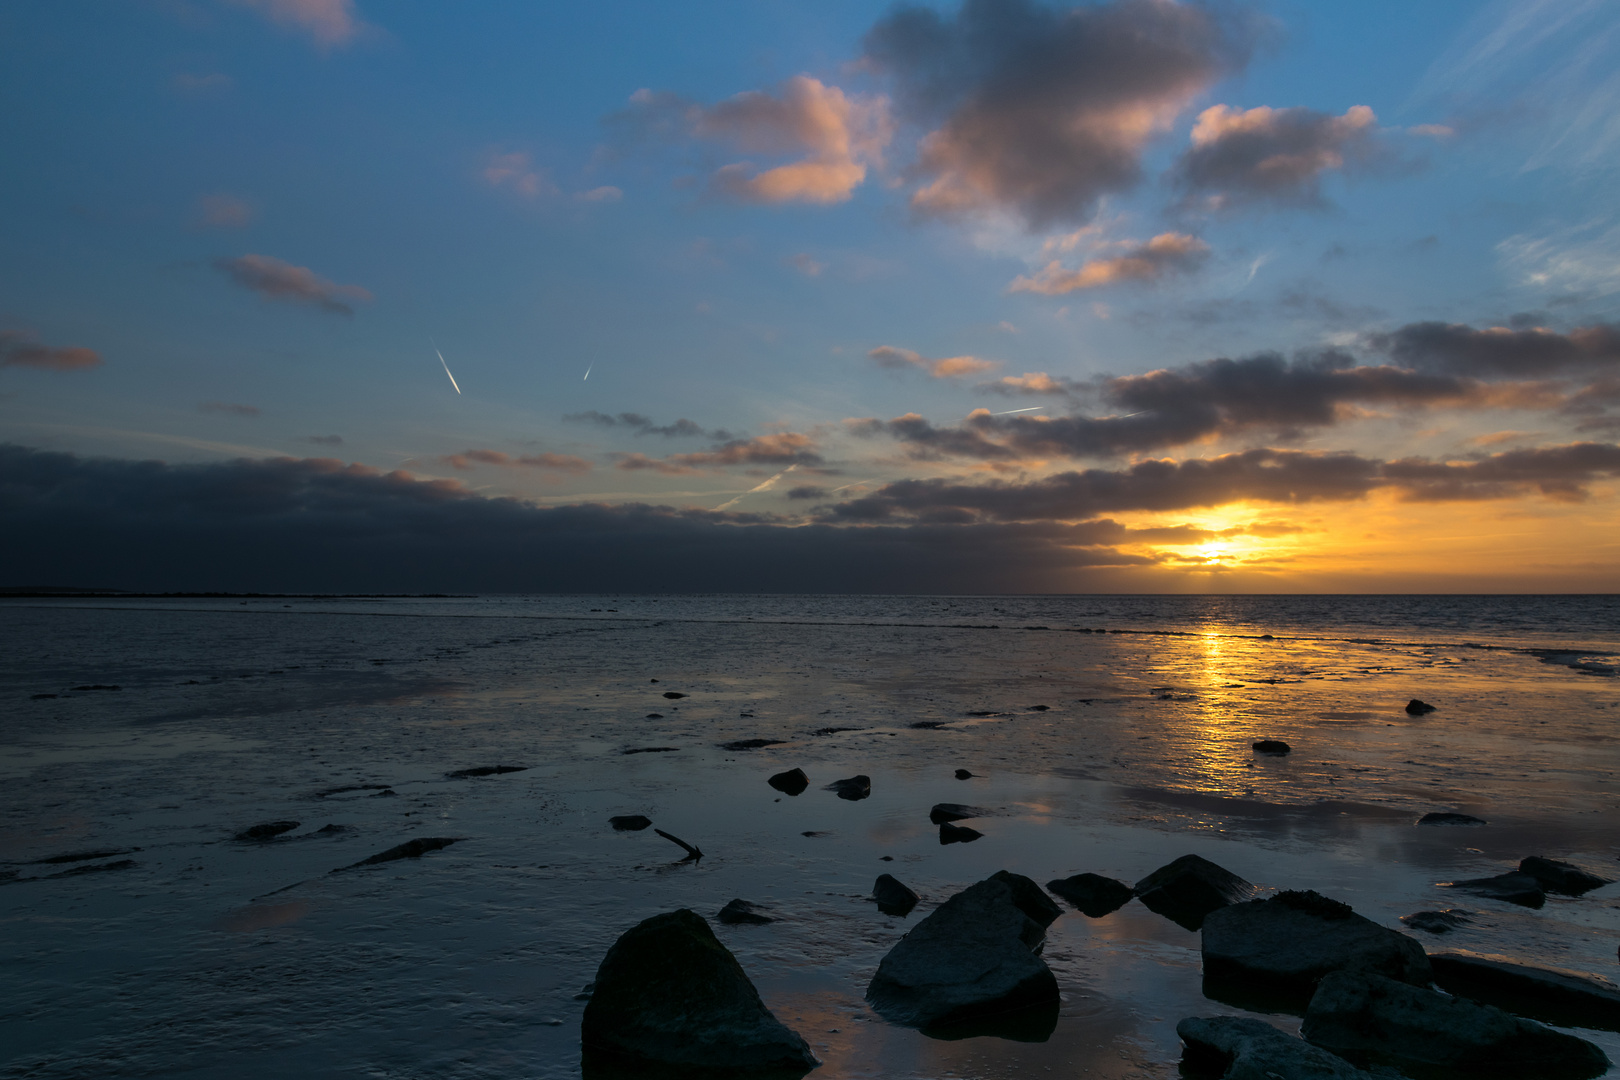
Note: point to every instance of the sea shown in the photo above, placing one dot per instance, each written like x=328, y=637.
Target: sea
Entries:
x=140, y=737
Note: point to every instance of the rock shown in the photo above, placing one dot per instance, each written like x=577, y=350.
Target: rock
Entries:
x=669, y=992
x=1240, y=1048
x=95, y=868
x=971, y=958
x=892, y=897
x=928, y=725
x=743, y=913
x=1440, y=817
x=385, y=793
x=651, y=750
x=749, y=744
x=1418, y=708
x=1187, y=890
x=630, y=822
x=963, y=774
x=673, y=694
x=1555, y=997
x=410, y=849
x=1093, y=894
x=1272, y=746
x=268, y=830
x=1355, y=1013
x=1028, y=898
x=792, y=782
x=1513, y=888
x=655, y=716
x=1039, y=708
x=328, y=830
x=82, y=856
x=1437, y=922
x=853, y=789
x=957, y=834
x=1275, y=950
x=952, y=811
x=1561, y=877
x=835, y=730
x=485, y=770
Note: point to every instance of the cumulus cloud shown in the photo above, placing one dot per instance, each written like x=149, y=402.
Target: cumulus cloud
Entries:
x=1165, y=254
x=220, y=211
x=1499, y=350
x=276, y=280
x=1559, y=472
x=517, y=172
x=567, y=463
x=19, y=349
x=329, y=23
x=1035, y=383
x=837, y=135
x=950, y=367
x=1240, y=157
x=1041, y=111
x=784, y=448
x=317, y=525
x=229, y=407
x=644, y=425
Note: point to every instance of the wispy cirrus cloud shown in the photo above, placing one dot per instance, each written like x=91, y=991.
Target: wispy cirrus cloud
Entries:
x=1163, y=256
x=21, y=349
x=950, y=367
x=330, y=24
x=274, y=279
x=468, y=459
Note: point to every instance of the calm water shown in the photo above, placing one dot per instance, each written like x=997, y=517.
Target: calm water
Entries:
x=211, y=958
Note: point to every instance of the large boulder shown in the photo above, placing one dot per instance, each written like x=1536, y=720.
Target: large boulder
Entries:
x=668, y=991
x=1029, y=898
x=1561, y=877
x=1513, y=888
x=973, y=957
x=1093, y=894
x=1274, y=951
x=1187, y=890
x=1556, y=997
x=1240, y=1048
x=1370, y=1018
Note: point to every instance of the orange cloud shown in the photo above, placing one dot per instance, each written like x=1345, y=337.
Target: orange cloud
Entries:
x=1165, y=254
x=1277, y=155
x=329, y=23
x=220, y=211
x=517, y=172
x=785, y=448
x=951, y=367
x=21, y=350
x=277, y=280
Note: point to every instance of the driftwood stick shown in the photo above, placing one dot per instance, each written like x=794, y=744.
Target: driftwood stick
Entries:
x=691, y=852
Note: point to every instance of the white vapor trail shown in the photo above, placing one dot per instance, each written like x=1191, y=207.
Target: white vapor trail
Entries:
x=588, y=370
x=1009, y=412
x=727, y=505
x=446, y=366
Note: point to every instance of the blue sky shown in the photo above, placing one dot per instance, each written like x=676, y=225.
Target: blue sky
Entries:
x=775, y=221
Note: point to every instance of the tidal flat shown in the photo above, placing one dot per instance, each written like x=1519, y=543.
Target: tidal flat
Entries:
x=1105, y=734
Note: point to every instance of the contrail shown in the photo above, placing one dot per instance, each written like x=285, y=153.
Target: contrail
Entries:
x=760, y=487
x=446, y=366
x=1009, y=412
x=588, y=370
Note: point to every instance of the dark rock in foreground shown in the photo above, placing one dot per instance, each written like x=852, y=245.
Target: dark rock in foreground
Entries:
x=1418, y=708
x=1092, y=894
x=630, y=822
x=1512, y=888
x=743, y=913
x=1028, y=898
x=957, y=834
x=1240, y=1048
x=267, y=830
x=854, y=788
x=1561, y=877
x=1371, y=1018
x=973, y=957
x=486, y=770
x=1276, y=950
x=1555, y=997
x=673, y=694
x=1441, y=817
x=669, y=992
x=1272, y=746
x=954, y=811
x=892, y=897
x=963, y=774
x=410, y=849
x=1187, y=890
x=1437, y=922
x=792, y=782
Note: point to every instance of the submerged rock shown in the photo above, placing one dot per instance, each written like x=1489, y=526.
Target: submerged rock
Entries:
x=1188, y=889
x=630, y=822
x=1272, y=746
x=792, y=782
x=957, y=834
x=669, y=992
x=1276, y=950
x=95, y=868
x=1437, y=922
x=892, y=897
x=743, y=913
x=485, y=770
x=973, y=957
x=1241, y=1048
x=83, y=856
x=1561, y=877
x=953, y=811
x=749, y=744
x=853, y=788
x=1419, y=708
x=1512, y=888
x=410, y=849
x=1555, y=997
x=1443, y=817
x=267, y=830
x=1355, y=1013
x=1092, y=894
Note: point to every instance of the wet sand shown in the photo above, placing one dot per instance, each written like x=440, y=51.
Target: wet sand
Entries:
x=210, y=957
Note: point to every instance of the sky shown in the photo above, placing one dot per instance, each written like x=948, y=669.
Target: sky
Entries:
x=992, y=296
